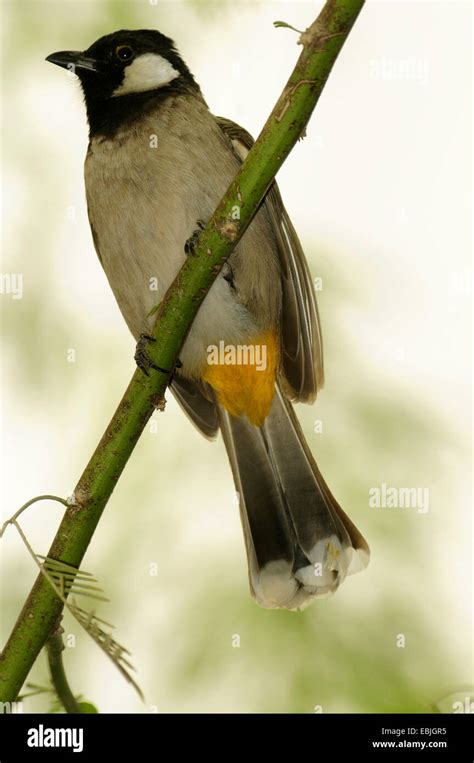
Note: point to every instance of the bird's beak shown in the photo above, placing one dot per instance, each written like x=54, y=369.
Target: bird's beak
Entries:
x=73, y=59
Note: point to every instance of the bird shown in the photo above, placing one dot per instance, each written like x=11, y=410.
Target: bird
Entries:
x=157, y=164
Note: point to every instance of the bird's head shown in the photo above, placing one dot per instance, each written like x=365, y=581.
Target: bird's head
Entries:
x=126, y=66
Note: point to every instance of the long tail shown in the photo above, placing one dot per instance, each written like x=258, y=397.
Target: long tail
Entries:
x=300, y=544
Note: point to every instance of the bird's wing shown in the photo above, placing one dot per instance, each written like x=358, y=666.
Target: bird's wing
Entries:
x=302, y=350
x=197, y=401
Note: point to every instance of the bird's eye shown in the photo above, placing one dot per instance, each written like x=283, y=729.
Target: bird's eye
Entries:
x=124, y=52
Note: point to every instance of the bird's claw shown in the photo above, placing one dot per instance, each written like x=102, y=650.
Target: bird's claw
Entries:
x=143, y=360
x=193, y=240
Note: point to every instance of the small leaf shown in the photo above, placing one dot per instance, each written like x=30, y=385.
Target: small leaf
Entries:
x=284, y=25
x=87, y=707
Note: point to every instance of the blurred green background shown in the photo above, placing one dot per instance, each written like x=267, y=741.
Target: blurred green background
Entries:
x=379, y=192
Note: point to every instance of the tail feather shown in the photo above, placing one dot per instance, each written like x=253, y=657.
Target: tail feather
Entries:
x=300, y=544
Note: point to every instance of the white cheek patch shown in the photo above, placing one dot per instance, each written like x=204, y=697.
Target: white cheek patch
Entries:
x=147, y=72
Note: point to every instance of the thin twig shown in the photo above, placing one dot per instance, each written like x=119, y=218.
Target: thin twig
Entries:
x=29, y=503
x=54, y=649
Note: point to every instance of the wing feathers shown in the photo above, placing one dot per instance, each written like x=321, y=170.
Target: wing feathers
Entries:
x=302, y=356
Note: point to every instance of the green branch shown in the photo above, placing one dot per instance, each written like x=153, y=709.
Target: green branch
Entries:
x=55, y=648
x=286, y=124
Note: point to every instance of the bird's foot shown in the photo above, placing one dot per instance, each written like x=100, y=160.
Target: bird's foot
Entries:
x=143, y=360
x=192, y=242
